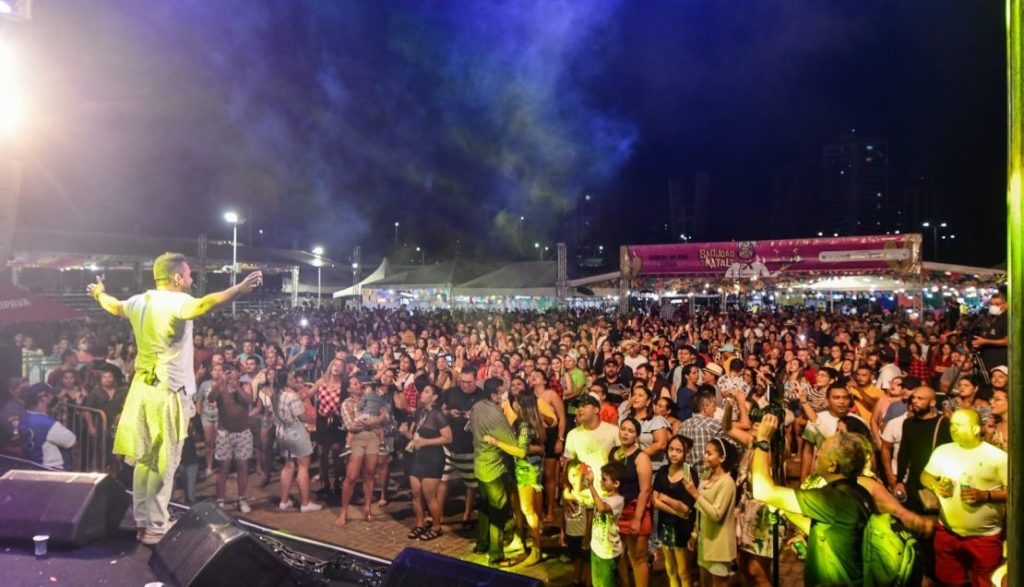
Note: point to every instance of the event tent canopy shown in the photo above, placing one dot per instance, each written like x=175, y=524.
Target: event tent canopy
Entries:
x=19, y=305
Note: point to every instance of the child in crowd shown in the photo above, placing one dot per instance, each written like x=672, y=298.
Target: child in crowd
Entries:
x=716, y=522
x=574, y=524
x=371, y=405
x=605, y=544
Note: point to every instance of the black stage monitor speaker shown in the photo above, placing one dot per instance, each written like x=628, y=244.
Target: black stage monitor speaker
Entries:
x=207, y=547
x=414, y=567
x=72, y=508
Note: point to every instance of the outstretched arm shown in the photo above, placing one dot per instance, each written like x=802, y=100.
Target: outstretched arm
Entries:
x=106, y=301
x=765, y=489
x=204, y=305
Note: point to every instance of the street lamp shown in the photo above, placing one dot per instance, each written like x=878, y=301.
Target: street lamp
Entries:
x=396, y=238
x=423, y=255
x=233, y=218
x=318, y=262
x=935, y=226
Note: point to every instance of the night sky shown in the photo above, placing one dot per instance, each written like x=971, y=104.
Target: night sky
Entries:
x=327, y=121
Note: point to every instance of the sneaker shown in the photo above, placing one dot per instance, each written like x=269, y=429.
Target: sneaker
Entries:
x=221, y=504
x=286, y=505
x=243, y=506
x=310, y=507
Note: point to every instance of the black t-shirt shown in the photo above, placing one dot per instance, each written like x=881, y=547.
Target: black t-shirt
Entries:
x=677, y=491
x=998, y=327
x=462, y=402
x=916, y=446
x=838, y=515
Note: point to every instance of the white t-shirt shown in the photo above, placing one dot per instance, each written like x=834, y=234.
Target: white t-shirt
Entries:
x=604, y=537
x=893, y=434
x=983, y=467
x=634, y=362
x=591, y=447
x=163, y=337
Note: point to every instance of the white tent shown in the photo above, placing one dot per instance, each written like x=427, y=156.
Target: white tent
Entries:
x=379, y=273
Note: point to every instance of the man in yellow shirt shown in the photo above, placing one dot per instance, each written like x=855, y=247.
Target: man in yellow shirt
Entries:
x=151, y=431
x=863, y=392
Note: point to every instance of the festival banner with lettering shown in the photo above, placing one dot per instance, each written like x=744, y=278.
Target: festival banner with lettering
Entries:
x=768, y=259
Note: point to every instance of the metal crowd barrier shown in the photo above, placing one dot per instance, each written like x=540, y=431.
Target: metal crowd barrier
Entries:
x=90, y=453
x=35, y=367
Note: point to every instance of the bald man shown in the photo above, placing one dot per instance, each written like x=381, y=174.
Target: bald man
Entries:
x=923, y=430
x=969, y=476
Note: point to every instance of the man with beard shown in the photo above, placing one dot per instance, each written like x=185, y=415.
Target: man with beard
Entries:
x=613, y=380
x=923, y=430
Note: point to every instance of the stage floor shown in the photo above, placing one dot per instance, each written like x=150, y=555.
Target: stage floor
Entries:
x=119, y=560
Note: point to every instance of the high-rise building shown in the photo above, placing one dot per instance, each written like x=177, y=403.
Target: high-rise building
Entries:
x=855, y=186
x=688, y=208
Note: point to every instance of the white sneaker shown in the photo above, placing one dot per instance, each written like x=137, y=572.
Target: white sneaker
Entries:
x=286, y=505
x=243, y=506
x=310, y=507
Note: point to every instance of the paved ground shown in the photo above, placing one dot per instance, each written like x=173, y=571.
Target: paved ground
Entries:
x=385, y=535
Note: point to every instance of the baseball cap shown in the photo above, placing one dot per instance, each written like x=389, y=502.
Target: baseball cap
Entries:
x=727, y=348
x=1001, y=368
x=34, y=392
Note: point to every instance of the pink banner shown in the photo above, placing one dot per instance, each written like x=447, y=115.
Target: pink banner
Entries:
x=899, y=254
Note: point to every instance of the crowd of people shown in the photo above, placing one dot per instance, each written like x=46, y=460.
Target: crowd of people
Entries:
x=659, y=434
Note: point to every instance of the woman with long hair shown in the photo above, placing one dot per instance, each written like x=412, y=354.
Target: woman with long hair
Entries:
x=429, y=433
x=329, y=433
x=290, y=418
x=528, y=452
x=653, y=433
x=940, y=361
x=675, y=522
x=443, y=378
x=753, y=519
x=716, y=507
x=635, y=520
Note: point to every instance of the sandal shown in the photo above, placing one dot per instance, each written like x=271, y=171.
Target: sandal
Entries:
x=430, y=534
x=416, y=532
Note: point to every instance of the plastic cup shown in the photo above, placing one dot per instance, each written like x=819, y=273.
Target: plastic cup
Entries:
x=40, y=542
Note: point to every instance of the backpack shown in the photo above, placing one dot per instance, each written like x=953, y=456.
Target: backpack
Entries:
x=888, y=549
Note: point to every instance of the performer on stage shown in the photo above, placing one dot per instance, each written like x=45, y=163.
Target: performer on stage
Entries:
x=154, y=422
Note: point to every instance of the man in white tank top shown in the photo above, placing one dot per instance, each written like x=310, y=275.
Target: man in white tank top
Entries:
x=153, y=424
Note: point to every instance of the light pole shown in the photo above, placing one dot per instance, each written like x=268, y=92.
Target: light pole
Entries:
x=233, y=218
x=540, y=252
x=318, y=262
x=935, y=226
x=396, y=238
x=423, y=255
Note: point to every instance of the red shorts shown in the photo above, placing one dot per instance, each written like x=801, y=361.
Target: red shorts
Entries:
x=626, y=520
x=956, y=556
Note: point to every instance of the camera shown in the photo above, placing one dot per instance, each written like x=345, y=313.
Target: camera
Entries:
x=758, y=413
